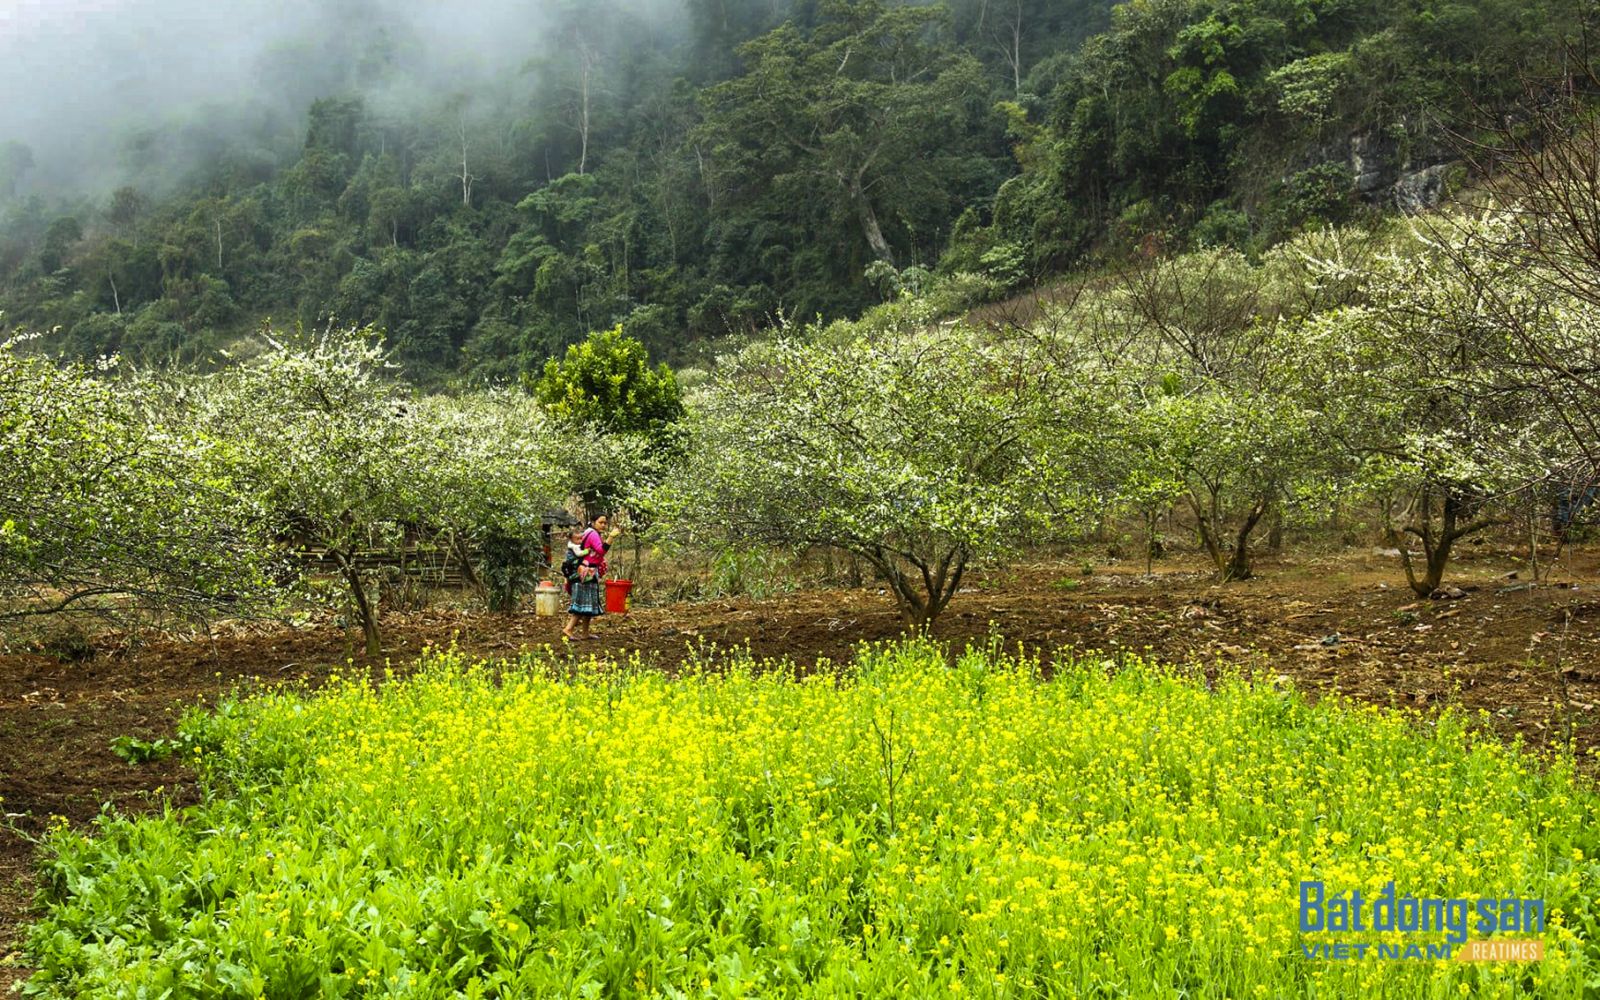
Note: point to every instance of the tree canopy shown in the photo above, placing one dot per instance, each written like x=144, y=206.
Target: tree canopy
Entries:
x=697, y=180
x=918, y=454
x=607, y=381
x=113, y=503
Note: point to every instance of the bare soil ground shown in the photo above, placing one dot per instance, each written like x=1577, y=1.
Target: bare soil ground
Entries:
x=1528, y=656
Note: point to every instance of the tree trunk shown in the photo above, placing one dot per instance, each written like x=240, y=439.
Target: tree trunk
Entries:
x=1233, y=562
x=358, y=592
x=922, y=601
x=468, y=572
x=869, y=223
x=1208, y=538
x=1152, y=542
x=1436, y=546
x=466, y=175
x=949, y=590
x=913, y=606
x=1238, y=564
x=1533, y=539
x=1011, y=48
x=583, y=120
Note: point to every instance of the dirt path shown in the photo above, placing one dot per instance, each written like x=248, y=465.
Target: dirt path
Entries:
x=1343, y=622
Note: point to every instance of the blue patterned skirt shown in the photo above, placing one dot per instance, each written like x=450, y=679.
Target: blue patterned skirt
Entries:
x=587, y=599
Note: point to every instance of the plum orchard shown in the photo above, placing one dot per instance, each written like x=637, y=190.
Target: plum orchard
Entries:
x=921, y=454
x=187, y=494
x=1438, y=373
x=1342, y=370
x=1433, y=377
x=341, y=454
x=109, y=503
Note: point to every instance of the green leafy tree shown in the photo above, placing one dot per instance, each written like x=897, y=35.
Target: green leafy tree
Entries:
x=867, y=111
x=607, y=381
x=606, y=393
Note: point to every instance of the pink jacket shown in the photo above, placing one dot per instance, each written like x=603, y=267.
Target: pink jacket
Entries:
x=597, y=551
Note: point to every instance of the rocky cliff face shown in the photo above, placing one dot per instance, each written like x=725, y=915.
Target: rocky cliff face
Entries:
x=1388, y=173
x=1422, y=189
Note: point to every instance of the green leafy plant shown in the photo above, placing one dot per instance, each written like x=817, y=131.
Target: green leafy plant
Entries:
x=607, y=381
x=511, y=565
x=140, y=751
x=540, y=827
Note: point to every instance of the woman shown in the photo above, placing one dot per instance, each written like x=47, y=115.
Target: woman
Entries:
x=587, y=601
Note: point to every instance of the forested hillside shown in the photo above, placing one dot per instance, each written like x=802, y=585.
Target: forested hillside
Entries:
x=692, y=172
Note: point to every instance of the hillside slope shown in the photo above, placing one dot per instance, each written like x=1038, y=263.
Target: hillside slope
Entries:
x=692, y=176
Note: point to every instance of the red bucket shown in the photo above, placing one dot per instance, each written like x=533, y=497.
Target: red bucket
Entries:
x=617, y=596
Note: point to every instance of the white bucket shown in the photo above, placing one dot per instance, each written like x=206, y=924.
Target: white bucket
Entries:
x=547, y=600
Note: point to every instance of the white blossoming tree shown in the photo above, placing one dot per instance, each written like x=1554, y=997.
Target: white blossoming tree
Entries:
x=1424, y=385
x=490, y=464
x=343, y=457
x=922, y=454
x=1201, y=371
x=326, y=440
x=108, y=504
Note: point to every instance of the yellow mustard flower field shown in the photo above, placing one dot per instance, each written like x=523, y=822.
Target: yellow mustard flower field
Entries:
x=920, y=823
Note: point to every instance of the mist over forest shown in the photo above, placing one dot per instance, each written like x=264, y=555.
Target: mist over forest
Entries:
x=147, y=92
x=488, y=183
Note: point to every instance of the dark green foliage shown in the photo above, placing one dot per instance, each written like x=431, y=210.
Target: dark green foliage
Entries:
x=606, y=382
x=134, y=750
x=868, y=132
x=1244, y=121
x=754, y=158
x=486, y=232
x=510, y=566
